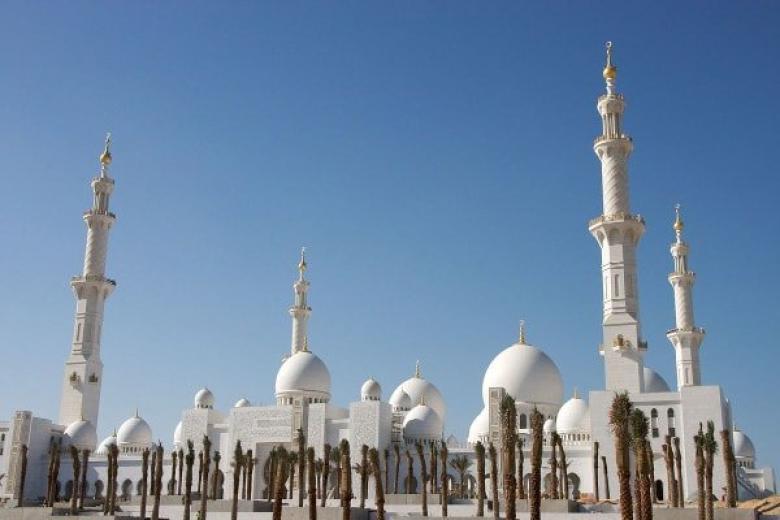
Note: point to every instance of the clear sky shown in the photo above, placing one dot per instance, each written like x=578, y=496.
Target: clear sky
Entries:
x=434, y=157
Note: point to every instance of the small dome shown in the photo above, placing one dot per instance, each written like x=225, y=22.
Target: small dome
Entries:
x=743, y=446
x=303, y=373
x=573, y=417
x=177, y=436
x=135, y=433
x=653, y=381
x=549, y=426
x=402, y=401
x=480, y=427
x=371, y=390
x=423, y=423
x=241, y=403
x=82, y=435
x=420, y=390
x=106, y=444
x=526, y=373
x=204, y=398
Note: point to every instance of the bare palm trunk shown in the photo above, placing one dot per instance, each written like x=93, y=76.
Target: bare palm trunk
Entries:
x=671, y=483
x=301, y=467
x=174, y=465
x=564, y=469
x=49, y=476
x=535, y=490
x=651, y=474
x=83, y=486
x=386, y=454
x=205, y=482
x=596, y=470
x=346, y=481
x=250, y=471
x=188, y=485
x=480, y=451
x=74, y=494
x=494, y=480
x=445, y=481
x=200, y=471
x=238, y=465
x=699, y=440
x=325, y=474
x=728, y=464
x=554, y=468
x=409, y=472
x=312, y=484
x=144, y=480
x=115, y=476
x=508, y=441
x=363, y=475
x=373, y=456
x=678, y=466
x=618, y=419
x=158, y=470
x=606, y=476
x=424, y=478
x=397, y=453
x=520, y=469
x=181, y=470
x=215, y=476
x=280, y=478
x=23, y=476
x=434, y=477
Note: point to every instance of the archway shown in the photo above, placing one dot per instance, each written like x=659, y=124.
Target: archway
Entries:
x=68, y=489
x=127, y=489
x=659, y=490
x=139, y=488
x=574, y=486
x=99, y=489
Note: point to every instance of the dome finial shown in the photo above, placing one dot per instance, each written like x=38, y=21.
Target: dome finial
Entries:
x=417, y=371
x=105, y=157
x=576, y=394
x=302, y=263
x=610, y=70
x=678, y=223
x=136, y=411
x=521, y=335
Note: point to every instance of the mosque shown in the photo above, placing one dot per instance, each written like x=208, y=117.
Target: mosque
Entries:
x=416, y=410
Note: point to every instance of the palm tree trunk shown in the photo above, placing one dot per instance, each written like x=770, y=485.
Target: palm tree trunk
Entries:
x=325, y=474
x=647, y=483
x=278, y=482
x=83, y=486
x=480, y=451
x=698, y=439
x=386, y=454
x=434, y=477
x=215, y=476
x=618, y=417
x=158, y=471
x=188, y=485
x=181, y=470
x=205, y=482
x=238, y=464
x=671, y=481
x=74, y=492
x=596, y=470
x=708, y=463
x=144, y=481
x=363, y=475
x=109, y=481
x=312, y=484
x=520, y=469
x=728, y=464
x=508, y=441
x=445, y=484
x=397, y=452
x=47, y=501
x=292, y=479
x=564, y=469
x=242, y=480
x=346, y=481
x=174, y=465
x=535, y=488
x=494, y=480
x=250, y=470
x=554, y=468
x=301, y=466
x=651, y=474
x=115, y=483
x=409, y=472
x=200, y=470
x=606, y=476
x=423, y=478
x=22, y=477
x=373, y=456
x=56, y=475
x=678, y=466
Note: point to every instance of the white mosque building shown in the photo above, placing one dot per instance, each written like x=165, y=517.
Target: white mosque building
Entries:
x=415, y=411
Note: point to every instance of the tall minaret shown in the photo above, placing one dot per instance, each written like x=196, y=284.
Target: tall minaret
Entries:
x=618, y=232
x=83, y=369
x=686, y=337
x=300, y=310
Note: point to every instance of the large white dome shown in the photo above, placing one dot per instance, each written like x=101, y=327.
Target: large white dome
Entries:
x=420, y=390
x=371, y=390
x=423, y=423
x=573, y=417
x=204, y=398
x=653, y=381
x=242, y=403
x=743, y=446
x=480, y=427
x=526, y=373
x=305, y=373
x=135, y=433
x=82, y=435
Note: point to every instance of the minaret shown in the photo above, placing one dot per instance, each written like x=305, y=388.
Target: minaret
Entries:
x=686, y=338
x=83, y=369
x=618, y=232
x=300, y=310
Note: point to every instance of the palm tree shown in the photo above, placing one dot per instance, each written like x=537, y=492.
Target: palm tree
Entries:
x=154, y=465
x=144, y=481
x=520, y=469
x=434, y=477
x=174, y=458
x=215, y=475
x=508, y=441
x=710, y=449
x=639, y=430
x=55, y=475
x=678, y=466
x=200, y=470
x=386, y=454
x=553, y=467
x=318, y=470
x=423, y=478
x=181, y=469
x=445, y=481
x=48, y=501
x=397, y=452
x=373, y=457
x=409, y=472
x=280, y=467
x=190, y=460
x=206, y=464
x=363, y=475
x=618, y=419
x=535, y=485
x=479, y=449
x=325, y=474
x=23, y=476
x=728, y=463
x=238, y=463
x=461, y=464
x=292, y=461
x=109, y=480
x=606, y=476
x=596, y=470
x=651, y=469
x=83, y=486
x=311, y=487
x=114, y=476
x=301, y=466
x=564, y=468
x=74, y=494
x=158, y=470
x=699, y=441
x=346, y=481
x=669, y=460
x=249, y=464
x=335, y=455
x=494, y=479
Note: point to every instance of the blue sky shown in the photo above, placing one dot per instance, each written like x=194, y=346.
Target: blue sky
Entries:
x=434, y=157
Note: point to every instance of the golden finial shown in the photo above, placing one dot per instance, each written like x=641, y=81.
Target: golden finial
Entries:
x=521, y=335
x=105, y=157
x=302, y=263
x=576, y=393
x=678, y=223
x=610, y=71
x=417, y=371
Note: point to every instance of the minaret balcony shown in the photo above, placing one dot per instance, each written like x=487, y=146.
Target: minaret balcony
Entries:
x=605, y=97
x=93, y=213
x=603, y=138
x=682, y=331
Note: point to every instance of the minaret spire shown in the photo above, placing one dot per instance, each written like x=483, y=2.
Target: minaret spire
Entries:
x=84, y=369
x=300, y=311
x=686, y=337
x=617, y=232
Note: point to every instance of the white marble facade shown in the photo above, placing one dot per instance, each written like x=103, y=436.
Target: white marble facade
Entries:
x=416, y=410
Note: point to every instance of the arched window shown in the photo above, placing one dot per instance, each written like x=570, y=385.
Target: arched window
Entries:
x=522, y=422
x=654, y=422
x=670, y=418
